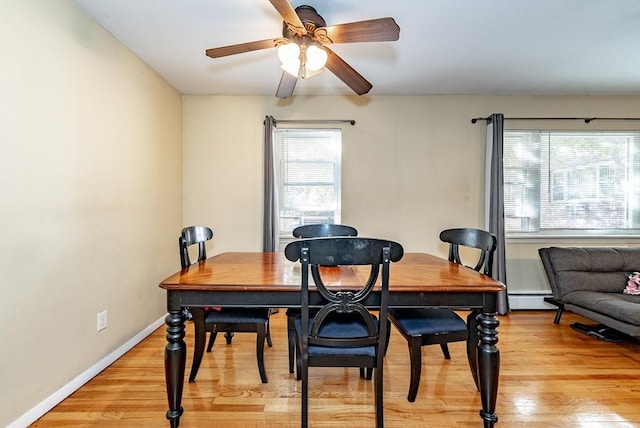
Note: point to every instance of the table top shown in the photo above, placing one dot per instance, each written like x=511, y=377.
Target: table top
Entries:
x=256, y=271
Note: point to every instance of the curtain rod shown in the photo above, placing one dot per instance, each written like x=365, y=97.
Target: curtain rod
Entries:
x=586, y=119
x=351, y=121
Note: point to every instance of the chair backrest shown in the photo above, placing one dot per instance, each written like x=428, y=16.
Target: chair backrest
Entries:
x=324, y=230
x=193, y=235
x=473, y=238
x=327, y=253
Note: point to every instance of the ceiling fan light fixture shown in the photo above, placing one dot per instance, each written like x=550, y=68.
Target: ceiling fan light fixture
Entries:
x=292, y=67
x=304, y=50
x=307, y=73
x=288, y=53
x=315, y=58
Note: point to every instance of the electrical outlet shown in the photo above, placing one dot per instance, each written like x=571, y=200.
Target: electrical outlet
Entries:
x=102, y=320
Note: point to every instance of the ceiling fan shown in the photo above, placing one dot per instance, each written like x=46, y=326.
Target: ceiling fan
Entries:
x=303, y=46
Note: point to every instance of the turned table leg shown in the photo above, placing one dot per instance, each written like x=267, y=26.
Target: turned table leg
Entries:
x=488, y=366
x=174, y=363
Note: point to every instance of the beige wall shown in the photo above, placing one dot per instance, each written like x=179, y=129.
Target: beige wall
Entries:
x=91, y=182
x=412, y=166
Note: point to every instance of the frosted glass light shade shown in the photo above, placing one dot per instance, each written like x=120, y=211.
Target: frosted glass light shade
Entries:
x=288, y=53
x=316, y=58
x=292, y=67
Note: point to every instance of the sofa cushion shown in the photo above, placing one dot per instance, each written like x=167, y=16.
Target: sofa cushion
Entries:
x=603, y=269
x=623, y=307
x=606, y=282
x=595, y=259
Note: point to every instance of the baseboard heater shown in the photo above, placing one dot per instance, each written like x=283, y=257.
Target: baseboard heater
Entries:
x=530, y=301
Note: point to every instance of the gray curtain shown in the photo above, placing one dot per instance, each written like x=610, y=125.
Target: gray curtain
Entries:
x=494, y=200
x=270, y=223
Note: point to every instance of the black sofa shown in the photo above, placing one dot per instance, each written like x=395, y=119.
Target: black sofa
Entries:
x=589, y=281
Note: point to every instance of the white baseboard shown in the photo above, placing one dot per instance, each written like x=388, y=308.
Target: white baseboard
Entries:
x=533, y=301
x=54, y=399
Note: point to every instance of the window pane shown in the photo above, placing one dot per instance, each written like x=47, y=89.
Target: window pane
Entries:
x=522, y=160
x=571, y=181
x=606, y=180
x=558, y=183
x=309, y=198
x=318, y=172
x=308, y=175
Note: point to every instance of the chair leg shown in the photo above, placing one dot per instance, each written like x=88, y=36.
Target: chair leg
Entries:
x=472, y=345
x=269, y=342
x=379, y=397
x=200, y=333
x=229, y=337
x=291, y=341
x=445, y=351
x=415, y=356
x=212, y=340
x=304, y=368
x=368, y=374
x=298, y=361
x=262, y=333
x=386, y=345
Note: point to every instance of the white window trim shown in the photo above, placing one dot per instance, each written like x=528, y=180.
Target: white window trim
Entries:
x=579, y=235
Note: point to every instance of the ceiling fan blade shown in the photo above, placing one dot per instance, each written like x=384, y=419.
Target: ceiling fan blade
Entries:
x=286, y=86
x=374, y=30
x=290, y=16
x=346, y=73
x=241, y=48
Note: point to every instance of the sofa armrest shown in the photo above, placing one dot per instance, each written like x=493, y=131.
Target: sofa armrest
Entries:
x=551, y=275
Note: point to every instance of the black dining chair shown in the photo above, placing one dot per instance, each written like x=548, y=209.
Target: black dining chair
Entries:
x=341, y=332
x=311, y=231
x=227, y=320
x=429, y=326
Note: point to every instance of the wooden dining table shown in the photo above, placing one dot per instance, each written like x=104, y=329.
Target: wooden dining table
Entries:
x=255, y=279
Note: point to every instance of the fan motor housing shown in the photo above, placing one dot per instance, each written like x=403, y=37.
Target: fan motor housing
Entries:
x=309, y=18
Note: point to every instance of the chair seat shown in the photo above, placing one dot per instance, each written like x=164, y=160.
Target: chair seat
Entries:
x=339, y=329
x=237, y=315
x=440, y=321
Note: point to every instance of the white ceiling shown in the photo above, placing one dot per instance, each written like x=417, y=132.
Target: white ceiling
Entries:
x=445, y=47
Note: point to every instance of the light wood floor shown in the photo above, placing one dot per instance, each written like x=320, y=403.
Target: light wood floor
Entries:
x=551, y=376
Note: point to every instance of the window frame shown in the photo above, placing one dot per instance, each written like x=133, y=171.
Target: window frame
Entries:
x=334, y=213
x=557, y=184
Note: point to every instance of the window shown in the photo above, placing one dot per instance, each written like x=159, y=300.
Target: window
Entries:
x=571, y=182
x=308, y=177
